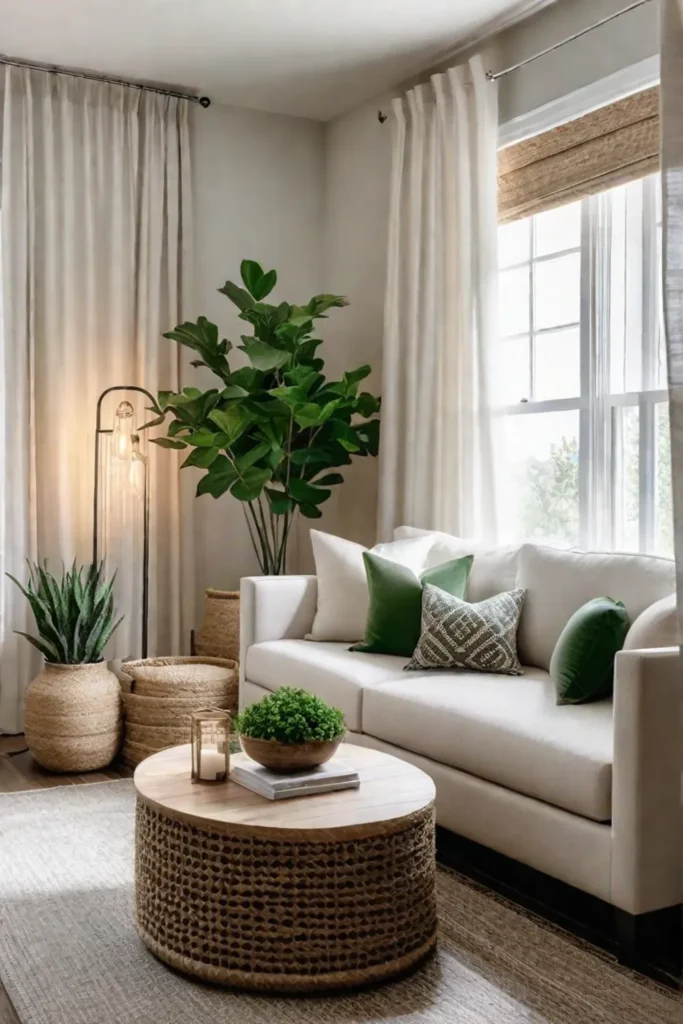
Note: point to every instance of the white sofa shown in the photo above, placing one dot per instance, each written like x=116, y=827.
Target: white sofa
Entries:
x=590, y=794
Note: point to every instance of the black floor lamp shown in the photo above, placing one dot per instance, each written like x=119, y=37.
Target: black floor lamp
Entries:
x=126, y=442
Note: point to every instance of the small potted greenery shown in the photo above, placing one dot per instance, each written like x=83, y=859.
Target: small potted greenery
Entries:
x=290, y=730
x=73, y=706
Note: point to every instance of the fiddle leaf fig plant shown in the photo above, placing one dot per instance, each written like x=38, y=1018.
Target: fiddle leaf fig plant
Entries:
x=274, y=433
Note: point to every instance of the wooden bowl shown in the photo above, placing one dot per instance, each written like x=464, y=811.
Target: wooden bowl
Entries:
x=289, y=757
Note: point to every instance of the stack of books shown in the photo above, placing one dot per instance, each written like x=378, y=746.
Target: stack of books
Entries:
x=326, y=778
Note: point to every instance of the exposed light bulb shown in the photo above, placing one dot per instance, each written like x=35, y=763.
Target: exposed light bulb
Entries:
x=124, y=426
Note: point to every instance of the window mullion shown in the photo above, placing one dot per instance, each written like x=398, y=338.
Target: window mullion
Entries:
x=586, y=347
x=595, y=483
x=647, y=412
x=532, y=340
x=603, y=425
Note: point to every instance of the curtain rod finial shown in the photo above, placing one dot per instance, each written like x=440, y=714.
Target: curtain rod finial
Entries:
x=381, y=116
x=204, y=101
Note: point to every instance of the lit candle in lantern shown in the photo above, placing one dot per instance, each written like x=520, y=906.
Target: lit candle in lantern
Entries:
x=210, y=745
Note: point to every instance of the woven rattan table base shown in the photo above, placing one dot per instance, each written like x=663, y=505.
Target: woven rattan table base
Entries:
x=286, y=914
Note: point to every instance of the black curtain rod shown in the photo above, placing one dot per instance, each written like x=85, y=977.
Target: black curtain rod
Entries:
x=494, y=76
x=91, y=76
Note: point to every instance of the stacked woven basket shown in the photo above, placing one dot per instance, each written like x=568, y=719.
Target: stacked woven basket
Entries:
x=163, y=693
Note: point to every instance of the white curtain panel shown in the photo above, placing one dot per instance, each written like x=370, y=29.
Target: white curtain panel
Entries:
x=437, y=453
x=671, y=115
x=671, y=25
x=95, y=241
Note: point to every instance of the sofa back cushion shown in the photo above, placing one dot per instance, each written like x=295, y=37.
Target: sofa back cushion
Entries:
x=494, y=570
x=559, y=582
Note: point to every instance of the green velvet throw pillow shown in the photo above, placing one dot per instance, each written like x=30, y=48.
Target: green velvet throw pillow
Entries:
x=395, y=614
x=582, y=665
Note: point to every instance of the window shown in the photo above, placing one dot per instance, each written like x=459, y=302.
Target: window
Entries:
x=582, y=374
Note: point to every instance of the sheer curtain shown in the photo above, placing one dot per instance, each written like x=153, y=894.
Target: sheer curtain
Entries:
x=671, y=29
x=96, y=230
x=437, y=457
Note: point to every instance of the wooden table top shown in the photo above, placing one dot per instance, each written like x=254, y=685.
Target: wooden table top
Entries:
x=390, y=789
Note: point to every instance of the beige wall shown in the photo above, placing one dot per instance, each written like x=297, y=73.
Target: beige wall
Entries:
x=258, y=193
x=357, y=187
x=356, y=208
x=312, y=200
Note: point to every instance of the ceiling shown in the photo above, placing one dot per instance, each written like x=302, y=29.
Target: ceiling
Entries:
x=312, y=58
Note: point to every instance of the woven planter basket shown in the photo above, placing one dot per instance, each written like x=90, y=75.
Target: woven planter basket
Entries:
x=163, y=694
x=155, y=711
x=157, y=737
x=219, y=636
x=73, y=717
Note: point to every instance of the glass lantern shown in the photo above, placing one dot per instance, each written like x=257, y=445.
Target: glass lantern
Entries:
x=210, y=745
x=124, y=427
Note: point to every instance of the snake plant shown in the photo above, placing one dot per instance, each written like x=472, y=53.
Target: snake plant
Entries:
x=74, y=615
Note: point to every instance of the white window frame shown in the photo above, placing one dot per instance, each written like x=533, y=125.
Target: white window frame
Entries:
x=597, y=405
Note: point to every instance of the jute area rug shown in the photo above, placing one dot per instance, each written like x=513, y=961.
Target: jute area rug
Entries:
x=69, y=953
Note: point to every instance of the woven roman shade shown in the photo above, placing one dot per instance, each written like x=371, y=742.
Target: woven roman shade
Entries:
x=600, y=150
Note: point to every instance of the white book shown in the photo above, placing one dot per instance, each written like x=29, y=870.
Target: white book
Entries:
x=326, y=778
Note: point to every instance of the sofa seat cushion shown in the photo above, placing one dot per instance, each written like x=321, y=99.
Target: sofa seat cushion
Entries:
x=330, y=670
x=509, y=731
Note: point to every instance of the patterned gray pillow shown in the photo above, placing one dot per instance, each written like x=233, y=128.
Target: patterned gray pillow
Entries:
x=480, y=636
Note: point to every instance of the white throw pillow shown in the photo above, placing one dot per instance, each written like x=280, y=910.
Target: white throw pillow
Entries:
x=342, y=584
x=559, y=582
x=494, y=570
x=657, y=626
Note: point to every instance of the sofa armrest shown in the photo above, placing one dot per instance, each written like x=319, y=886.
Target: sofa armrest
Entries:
x=647, y=819
x=275, y=608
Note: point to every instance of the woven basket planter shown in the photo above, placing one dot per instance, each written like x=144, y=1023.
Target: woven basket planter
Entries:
x=73, y=717
x=219, y=636
x=163, y=694
x=156, y=737
x=155, y=711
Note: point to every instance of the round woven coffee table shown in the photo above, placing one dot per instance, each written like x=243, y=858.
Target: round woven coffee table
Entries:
x=300, y=895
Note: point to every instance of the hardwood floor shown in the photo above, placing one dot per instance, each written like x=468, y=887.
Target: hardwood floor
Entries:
x=19, y=771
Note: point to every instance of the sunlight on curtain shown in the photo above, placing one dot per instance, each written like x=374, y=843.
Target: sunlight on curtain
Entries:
x=436, y=461
x=96, y=235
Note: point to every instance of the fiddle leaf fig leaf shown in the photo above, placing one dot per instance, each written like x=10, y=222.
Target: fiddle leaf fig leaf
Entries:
x=251, y=273
x=263, y=356
x=235, y=391
x=302, y=491
x=168, y=442
x=201, y=457
x=203, y=439
x=280, y=504
x=221, y=474
x=367, y=404
x=257, y=282
x=310, y=511
x=329, y=480
x=244, y=462
x=266, y=285
x=306, y=456
x=232, y=421
x=238, y=296
x=250, y=485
